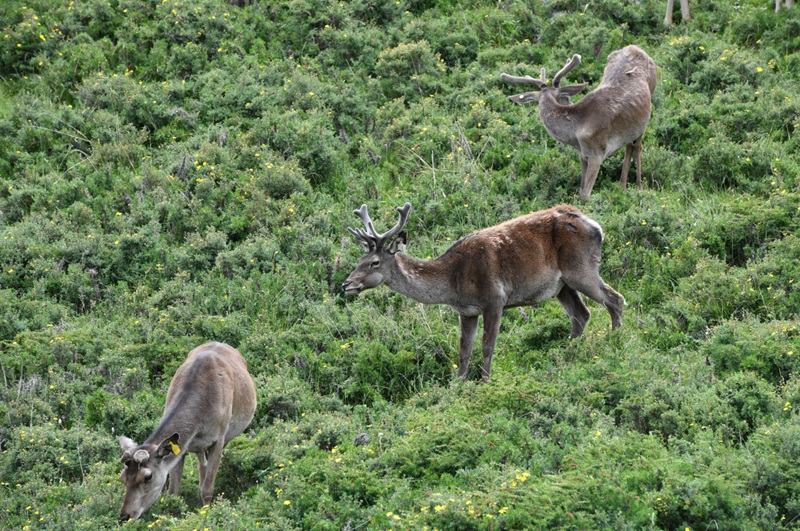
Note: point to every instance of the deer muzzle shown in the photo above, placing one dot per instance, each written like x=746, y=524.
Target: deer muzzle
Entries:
x=351, y=287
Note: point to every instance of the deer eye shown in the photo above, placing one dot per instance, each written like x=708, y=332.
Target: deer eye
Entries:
x=148, y=476
x=375, y=263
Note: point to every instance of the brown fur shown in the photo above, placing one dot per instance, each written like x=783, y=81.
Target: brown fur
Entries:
x=523, y=261
x=210, y=400
x=613, y=115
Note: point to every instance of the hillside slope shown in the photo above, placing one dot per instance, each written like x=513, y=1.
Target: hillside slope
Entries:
x=176, y=172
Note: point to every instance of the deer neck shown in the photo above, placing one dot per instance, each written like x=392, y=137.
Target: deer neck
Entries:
x=425, y=281
x=559, y=120
x=177, y=419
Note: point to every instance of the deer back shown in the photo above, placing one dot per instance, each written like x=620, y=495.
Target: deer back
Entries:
x=522, y=261
x=630, y=66
x=212, y=393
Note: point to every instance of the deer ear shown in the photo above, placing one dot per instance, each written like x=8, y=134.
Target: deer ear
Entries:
x=399, y=243
x=572, y=90
x=126, y=443
x=169, y=447
x=525, y=97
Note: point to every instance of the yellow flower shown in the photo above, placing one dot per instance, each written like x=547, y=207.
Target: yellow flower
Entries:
x=287, y=502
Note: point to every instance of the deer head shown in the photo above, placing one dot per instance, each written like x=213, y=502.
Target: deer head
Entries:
x=145, y=473
x=374, y=267
x=561, y=94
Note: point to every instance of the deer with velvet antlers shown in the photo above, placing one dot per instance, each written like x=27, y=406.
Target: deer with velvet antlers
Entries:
x=210, y=400
x=613, y=115
x=524, y=261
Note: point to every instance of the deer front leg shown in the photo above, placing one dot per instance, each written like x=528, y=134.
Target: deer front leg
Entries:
x=469, y=328
x=175, y=475
x=491, y=327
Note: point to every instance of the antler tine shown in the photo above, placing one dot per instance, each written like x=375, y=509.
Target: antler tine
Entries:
x=575, y=61
x=364, y=215
x=526, y=80
x=403, y=211
x=370, y=236
x=358, y=233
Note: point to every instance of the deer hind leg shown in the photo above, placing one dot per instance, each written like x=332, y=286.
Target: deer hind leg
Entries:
x=491, y=328
x=593, y=287
x=637, y=150
x=583, y=172
x=626, y=165
x=469, y=328
x=592, y=168
x=576, y=310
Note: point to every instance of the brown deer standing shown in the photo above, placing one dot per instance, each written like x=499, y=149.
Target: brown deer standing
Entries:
x=524, y=261
x=613, y=115
x=211, y=400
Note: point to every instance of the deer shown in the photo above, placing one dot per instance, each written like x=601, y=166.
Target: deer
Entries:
x=210, y=400
x=685, y=9
x=613, y=115
x=520, y=262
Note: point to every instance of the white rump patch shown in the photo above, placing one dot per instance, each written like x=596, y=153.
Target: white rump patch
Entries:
x=596, y=225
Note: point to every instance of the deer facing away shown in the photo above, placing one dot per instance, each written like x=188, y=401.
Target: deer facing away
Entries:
x=210, y=400
x=524, y=261
x=613, y=115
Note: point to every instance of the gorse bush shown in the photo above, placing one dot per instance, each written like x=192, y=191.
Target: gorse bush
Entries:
x=173, y=173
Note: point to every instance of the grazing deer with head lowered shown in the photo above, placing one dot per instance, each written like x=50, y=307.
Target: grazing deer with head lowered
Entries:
x=613, y=115
x=524, y=261
x=211, y=400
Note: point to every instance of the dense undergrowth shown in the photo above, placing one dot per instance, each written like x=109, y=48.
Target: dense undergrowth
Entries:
x=174, y=172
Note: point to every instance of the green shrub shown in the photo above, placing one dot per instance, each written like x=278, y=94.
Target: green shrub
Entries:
x=411, y=70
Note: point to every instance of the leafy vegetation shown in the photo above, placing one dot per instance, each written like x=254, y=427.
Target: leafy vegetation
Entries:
x=175, y=172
